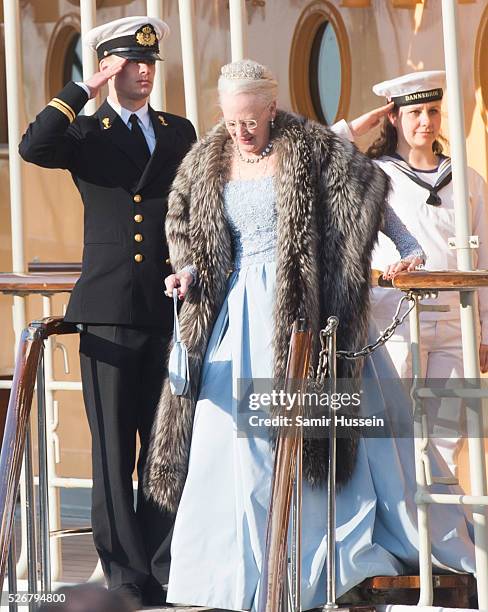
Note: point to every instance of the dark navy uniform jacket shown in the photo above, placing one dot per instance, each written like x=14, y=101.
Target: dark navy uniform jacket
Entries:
x=125, y=256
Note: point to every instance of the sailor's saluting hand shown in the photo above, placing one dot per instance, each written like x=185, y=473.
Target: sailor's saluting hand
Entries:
x=363, y=124
x=108, y=70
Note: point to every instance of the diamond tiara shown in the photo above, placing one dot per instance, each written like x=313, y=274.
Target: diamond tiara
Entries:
x=241, y=70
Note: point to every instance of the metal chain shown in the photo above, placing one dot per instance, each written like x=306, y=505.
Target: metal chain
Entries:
x=323, y=363
x=322, y=368
x=386, y=334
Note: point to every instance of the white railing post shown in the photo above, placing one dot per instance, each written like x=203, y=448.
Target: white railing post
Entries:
x=468, y=298
x=238, y=29
x=51, y=424
x=88, y=18
x=188, y=52
x=421, y=449
x=155, y=8
x=15, y=111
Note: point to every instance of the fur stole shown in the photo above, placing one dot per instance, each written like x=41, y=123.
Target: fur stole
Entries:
x=330, y=201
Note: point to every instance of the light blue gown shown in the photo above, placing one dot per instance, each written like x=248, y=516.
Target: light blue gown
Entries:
x=219, y=534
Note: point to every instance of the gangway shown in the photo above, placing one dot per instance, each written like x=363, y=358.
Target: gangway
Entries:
x=33, y=356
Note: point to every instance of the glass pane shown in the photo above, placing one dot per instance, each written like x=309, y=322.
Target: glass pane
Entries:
x=329, y=74
x=77, y=71
x=325, y=76
x=73, y=67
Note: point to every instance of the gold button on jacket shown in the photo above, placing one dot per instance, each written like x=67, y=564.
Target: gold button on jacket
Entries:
x=138, y=257
x=138, y=218
x=167, y=261
x=138, y=238
x=137, y=198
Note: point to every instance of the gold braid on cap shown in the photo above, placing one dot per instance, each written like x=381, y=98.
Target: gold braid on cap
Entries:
x=242, y=70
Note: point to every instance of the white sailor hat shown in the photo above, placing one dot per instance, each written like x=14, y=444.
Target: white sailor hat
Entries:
x=135, y=38
x=413, y=88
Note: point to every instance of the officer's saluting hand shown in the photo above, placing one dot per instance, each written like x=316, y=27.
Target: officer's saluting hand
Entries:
x=100, y=78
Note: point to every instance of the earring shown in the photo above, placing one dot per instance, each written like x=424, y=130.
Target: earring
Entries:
x=272, y=123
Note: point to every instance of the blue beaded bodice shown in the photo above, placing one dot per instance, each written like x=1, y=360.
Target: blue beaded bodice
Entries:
x=251, y=214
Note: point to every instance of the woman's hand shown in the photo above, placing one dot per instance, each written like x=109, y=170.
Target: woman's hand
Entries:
x=181, y=280
x=404, y=265
x=364, y=123
x=484, y=358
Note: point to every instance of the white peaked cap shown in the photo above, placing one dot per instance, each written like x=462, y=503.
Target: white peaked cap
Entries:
x=131, y=37
x=413, y=88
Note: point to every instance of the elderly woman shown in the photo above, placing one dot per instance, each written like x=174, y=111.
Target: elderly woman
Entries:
x=293, y=211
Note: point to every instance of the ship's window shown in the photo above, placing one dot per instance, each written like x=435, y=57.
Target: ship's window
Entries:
x=481, y=63
x=320, y=68
x=325, y=73
x=64, y=61
x=73, y=64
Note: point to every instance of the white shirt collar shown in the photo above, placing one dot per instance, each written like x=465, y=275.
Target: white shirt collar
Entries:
x=124, y=114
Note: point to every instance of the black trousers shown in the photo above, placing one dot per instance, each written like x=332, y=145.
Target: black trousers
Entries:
x=122, y=369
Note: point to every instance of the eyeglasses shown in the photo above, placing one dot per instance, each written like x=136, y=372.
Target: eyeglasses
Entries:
x=249, y=124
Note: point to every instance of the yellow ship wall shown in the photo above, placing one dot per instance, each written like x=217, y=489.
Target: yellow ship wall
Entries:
x=380, y=38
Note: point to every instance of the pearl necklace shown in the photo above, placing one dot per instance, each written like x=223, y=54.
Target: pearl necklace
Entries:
x=255, y=160
x=262, y=175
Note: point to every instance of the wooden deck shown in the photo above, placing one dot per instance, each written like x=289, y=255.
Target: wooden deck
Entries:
x=80, y=560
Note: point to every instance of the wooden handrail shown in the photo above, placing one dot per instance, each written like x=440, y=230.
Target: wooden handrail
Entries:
x=288, y=445
x=18, y=414
x=446, y=581
x=64, y=279
x=64, y=267
x=46, y=283
x=445, y=280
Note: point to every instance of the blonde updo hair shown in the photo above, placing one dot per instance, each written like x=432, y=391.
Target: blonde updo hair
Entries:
x=249, y=77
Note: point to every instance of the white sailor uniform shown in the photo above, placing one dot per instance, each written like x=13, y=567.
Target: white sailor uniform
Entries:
x=432, y=226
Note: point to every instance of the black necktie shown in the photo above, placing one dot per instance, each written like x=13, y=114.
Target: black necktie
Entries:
x=140, y=148
x=444, y=178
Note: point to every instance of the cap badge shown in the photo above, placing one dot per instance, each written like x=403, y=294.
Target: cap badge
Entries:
x=163, y=120
x=146, y=36
x=106, y=123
